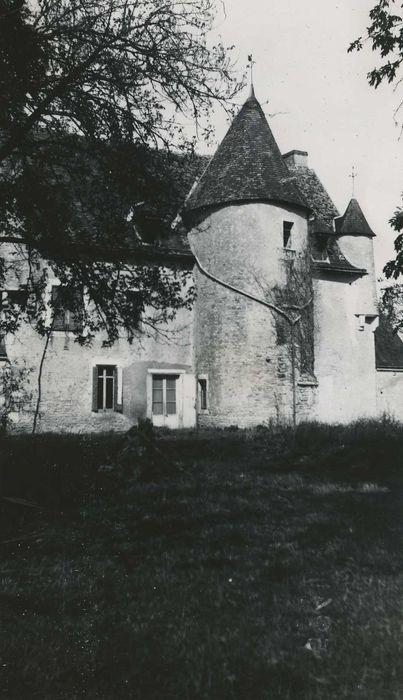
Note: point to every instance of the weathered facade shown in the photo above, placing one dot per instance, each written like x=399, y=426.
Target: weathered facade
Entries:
x=284, y=324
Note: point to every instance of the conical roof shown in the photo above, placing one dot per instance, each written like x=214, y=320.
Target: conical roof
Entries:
x=353, y=222
x=247, y=166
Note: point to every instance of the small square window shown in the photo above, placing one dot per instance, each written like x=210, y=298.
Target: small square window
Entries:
x=287, y=227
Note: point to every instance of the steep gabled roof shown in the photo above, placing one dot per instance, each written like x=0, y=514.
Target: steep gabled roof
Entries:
x=247, y=166
x=353, y=222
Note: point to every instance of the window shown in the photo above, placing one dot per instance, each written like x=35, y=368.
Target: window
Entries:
x=287, y=226
x=15, y=297
x=202, y=391
x=136, y=306
x=282, y=330
x=106, y=392
x=3, y=351
x=65, y=319
x=164, y=395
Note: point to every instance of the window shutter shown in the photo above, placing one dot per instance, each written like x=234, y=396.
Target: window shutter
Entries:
x=118, y=390
x=95, y=389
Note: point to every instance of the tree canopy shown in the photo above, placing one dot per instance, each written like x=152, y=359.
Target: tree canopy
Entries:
x=97, y=97
x=385, y=37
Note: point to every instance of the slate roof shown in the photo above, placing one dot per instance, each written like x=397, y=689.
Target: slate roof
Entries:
x=353, y=222
x=326, y=254
x=315, y=194
x=388, y=346
x=247, y=166
x=89, y=190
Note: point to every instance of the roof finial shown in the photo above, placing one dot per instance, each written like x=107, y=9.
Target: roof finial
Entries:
x=353, y=176
x=251, y=63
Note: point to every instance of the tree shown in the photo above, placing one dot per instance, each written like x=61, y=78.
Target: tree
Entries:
x=84, y=84
x=385, y=36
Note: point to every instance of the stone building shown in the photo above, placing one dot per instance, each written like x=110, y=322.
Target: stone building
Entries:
x=284, y=325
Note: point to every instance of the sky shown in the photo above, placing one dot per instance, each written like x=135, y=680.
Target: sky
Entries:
x=320, y=99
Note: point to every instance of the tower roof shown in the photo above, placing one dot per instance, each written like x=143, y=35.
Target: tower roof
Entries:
x=247, y=166
x=353, y=222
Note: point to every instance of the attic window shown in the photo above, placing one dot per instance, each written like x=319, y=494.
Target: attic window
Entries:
x=287, y=226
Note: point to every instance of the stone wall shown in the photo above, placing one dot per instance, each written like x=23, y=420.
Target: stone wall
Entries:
x=66, y=403
x=390, y=393
x=344, y=353
x=67, y=378
x=359, y=251
x=236, y=343
x=231, y=341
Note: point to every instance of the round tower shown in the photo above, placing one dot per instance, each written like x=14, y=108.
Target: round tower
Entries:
x=355, y=239
x=247, y=224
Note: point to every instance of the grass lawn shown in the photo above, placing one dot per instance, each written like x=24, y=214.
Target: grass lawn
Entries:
x=264, y=567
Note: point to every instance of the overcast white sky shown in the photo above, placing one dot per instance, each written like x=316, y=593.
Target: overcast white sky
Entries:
x=303, y=69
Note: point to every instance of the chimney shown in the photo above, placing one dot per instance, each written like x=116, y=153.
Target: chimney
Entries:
x=296, y=158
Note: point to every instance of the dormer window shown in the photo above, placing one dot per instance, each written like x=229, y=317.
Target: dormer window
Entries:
x=287, y=227
x=65, y=318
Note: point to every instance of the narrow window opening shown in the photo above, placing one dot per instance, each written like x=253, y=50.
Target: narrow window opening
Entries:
x=287, y=227
x=202, y=394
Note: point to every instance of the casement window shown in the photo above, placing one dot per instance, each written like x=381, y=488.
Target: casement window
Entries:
x=106, y=388
x=287, y=238
x=164, y=397
x=64, y=318
x=202, y=393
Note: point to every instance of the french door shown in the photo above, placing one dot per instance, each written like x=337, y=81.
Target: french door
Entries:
x=165, y=400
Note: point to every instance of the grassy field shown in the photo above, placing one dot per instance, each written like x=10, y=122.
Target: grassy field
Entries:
x=242, y=565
